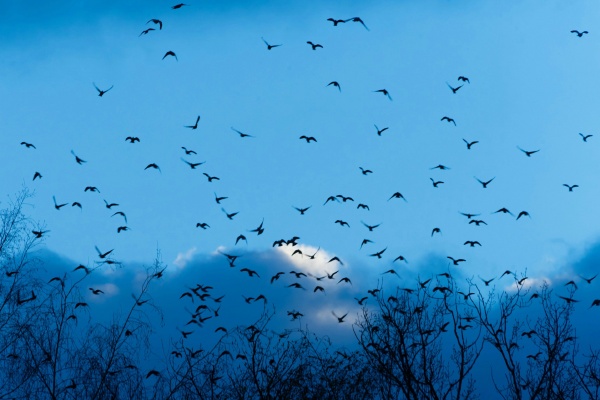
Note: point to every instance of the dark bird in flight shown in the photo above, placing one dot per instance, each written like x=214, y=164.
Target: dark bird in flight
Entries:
x=435, y=230
x=380, y=131
x=454, y=89
x=370, y=227
x=436, y=183
x=444, y=118
x=195, y=126
x=523, y=214
x=37, y=175
x=243, y=135
x=229, y=216
x=154, y=166
x=58, y=206
x=472, y=243
x=260, y=229
x=312, y=256
x=188, y=152
x=335, y=84
x=314, y=45
x=579, y=34
x=397, y=195
x=342, y=223
x=528, y=153
x=378, y=254
x=364, y=206
x=76, y=204
x=219, y=199
x=29, y=145
x=202, y=225
x=170, y=53
x=357, y=19
x=584, y=137
x=469, y=144
x=211, y=178
x=241, y=237
x=589, y=280
x=464, y=79
x=469, y=216
x=250, y=272
x=121, y=213
x=569, y=300
x=177, y=6
x=145, y=31
x=344, y=198
x=109, y=206
x=96, y=291
x=296, y=285
x=487, y=282
x=302, y=210
x=39, y=234
x=132, y=139
x=570, y=187
x=336, y=258
x=484, y=183
x=361, y=301
x=336, y=21
x=122, y=228
x=596, y=302
x=91, y=189
x=345, y=280
x=331, y=198
x=384, y=92
x=365, y=241
x=100, y=91
x=101, y=254
x=503, y=210
x=77, y=159
x=193, y=165
x=154, y=372
x=155, y=21
x=440, y=167
x=400, y=258
x=270, y=46
x=340, y=319
x=365, y=171
x=456, y=261
x=477, y=222
x=308, y=138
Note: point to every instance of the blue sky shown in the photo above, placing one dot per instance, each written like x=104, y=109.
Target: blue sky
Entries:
x=533, y=85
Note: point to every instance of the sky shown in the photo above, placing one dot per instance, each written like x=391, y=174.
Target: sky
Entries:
x=532, y=85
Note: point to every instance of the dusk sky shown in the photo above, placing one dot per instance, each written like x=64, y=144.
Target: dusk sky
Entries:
x=533, y=85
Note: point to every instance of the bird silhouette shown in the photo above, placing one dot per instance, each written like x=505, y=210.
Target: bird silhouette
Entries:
x=91, y=189
x=523, y=214
x=477, y=222
x=336, y=21
x=454, y=89
x=486, y=183
x=132, y=139
x=579, y=34
x=435, y=230
x=242, y=135
x=77, y=159
x=464, y=79
x=528, y=153
x=193, y=165
x=472, y=243
x=211, y=178
x=270, y=46
x=202, y=225
x=357, y=19
x=37, y=175
x=260, y=230
x=335, y=84
x=314, y=45
x=170, y=53
x=570, y=187
x=340, y=319
x=145, y=31
x=503, y=210
x=302, y=210
x=584, y=137
x=100, y=91
x=308, y=138
x=101, y=254
x=378, y=254
x=370, y=227
x=195, y=126
x=469, y=215
x=363, y=206
x=397, y=195
x=153, y=166
x=58, y=206
x=30, y=145
x=469, y=144
x=444, y=118
x=365, y=171
x=342, y=223
x=122, y=214
x=456, y=261
x=122, y=228
x=384, y=92
x=188, y=152
x=220, y=199
x=380, y=131
x=157, y=22
x=229, y=215
x=436, y=183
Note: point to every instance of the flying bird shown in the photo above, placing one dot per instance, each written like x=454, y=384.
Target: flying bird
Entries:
x=380, y=131
x=170, y=53
x=484, y=184
x=570, y=187
x=397, y=195
x=132, y=139
x=243, y=135
x=378, y=254
x=335, y=84
x=357, y=19
x=365, y=171
x=370, y=227
x=155, y=21
x=340, y=319
x=302, y=210
x=270, y=46
x=30, y=145
x=336, y=21
x=444, y=118
x=58, y=206
x=456, y=261
x=384, y=92
x=469, y=144
x=100, y=91
x=154, y=166
x=77, y=159
x=528, y=153
x=523, y=214
x=308, y=138
x=188, y=152
x=193, y=165
x=579, y=34
x=464, y=79
x=178, y=6
x=37, y=175
x=436, y=183
x=211, y=178
x=260, y=229
x=195, y=126
x=314, y=45
x=229, y=216
x=145, y=31
x=454, y=89
x=584, y=137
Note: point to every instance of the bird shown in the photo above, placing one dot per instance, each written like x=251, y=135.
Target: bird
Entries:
x=100, y=91
x=336, y=21
x=370, y=227
x=101, y=254
x=270, y=46
x=579, y=34
x=584, y=137
x=122, y=214
x=400, y=258
x=444, y=118
x=302, y=210
x=456, y=261
x=486, y=183
x=77, y=159
x=145, y=31
x=250, y=272
x=243, y=135
x=589, y=280
x=384, y=92
x=357, y=19
x=503, y=210
x=523, y=214
x=170, y=53
x=58, y=206
x=241, y=237
x=570, y=187
x=332, y=259
x=435, y=230
x=342, y=223
x=260, y=229
x=192, y=165
x=195, y=126
x=154, y=372
x=91, y=189
x=528, y=153
x=154, y=166
x=363, y=206
x=219, y=199
x=454, y=89
x=202, y=225
x=188, y=152
x=397, y=195
x=477, y=222
x=39, y=234
x=110, y=205
x=314, y=45
x=308, y=138
x=378, y=254
x=345, y=280
x=96, y=291
x=486, y=282
x=229, y=215
x=335, y=84
x=132, y=139
x=365, y=241
x=37, y=175
x=440, y=167
x=569, y=300
x=380, y=131
x=122, y=228
x=469, y=215
x=211, y=178
x=436, y=183
x=157, y=22
x=469, y=144
x=30, y=145
x=365, y=171
x=340, y=319
x=464, y=79
x=472, y=243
